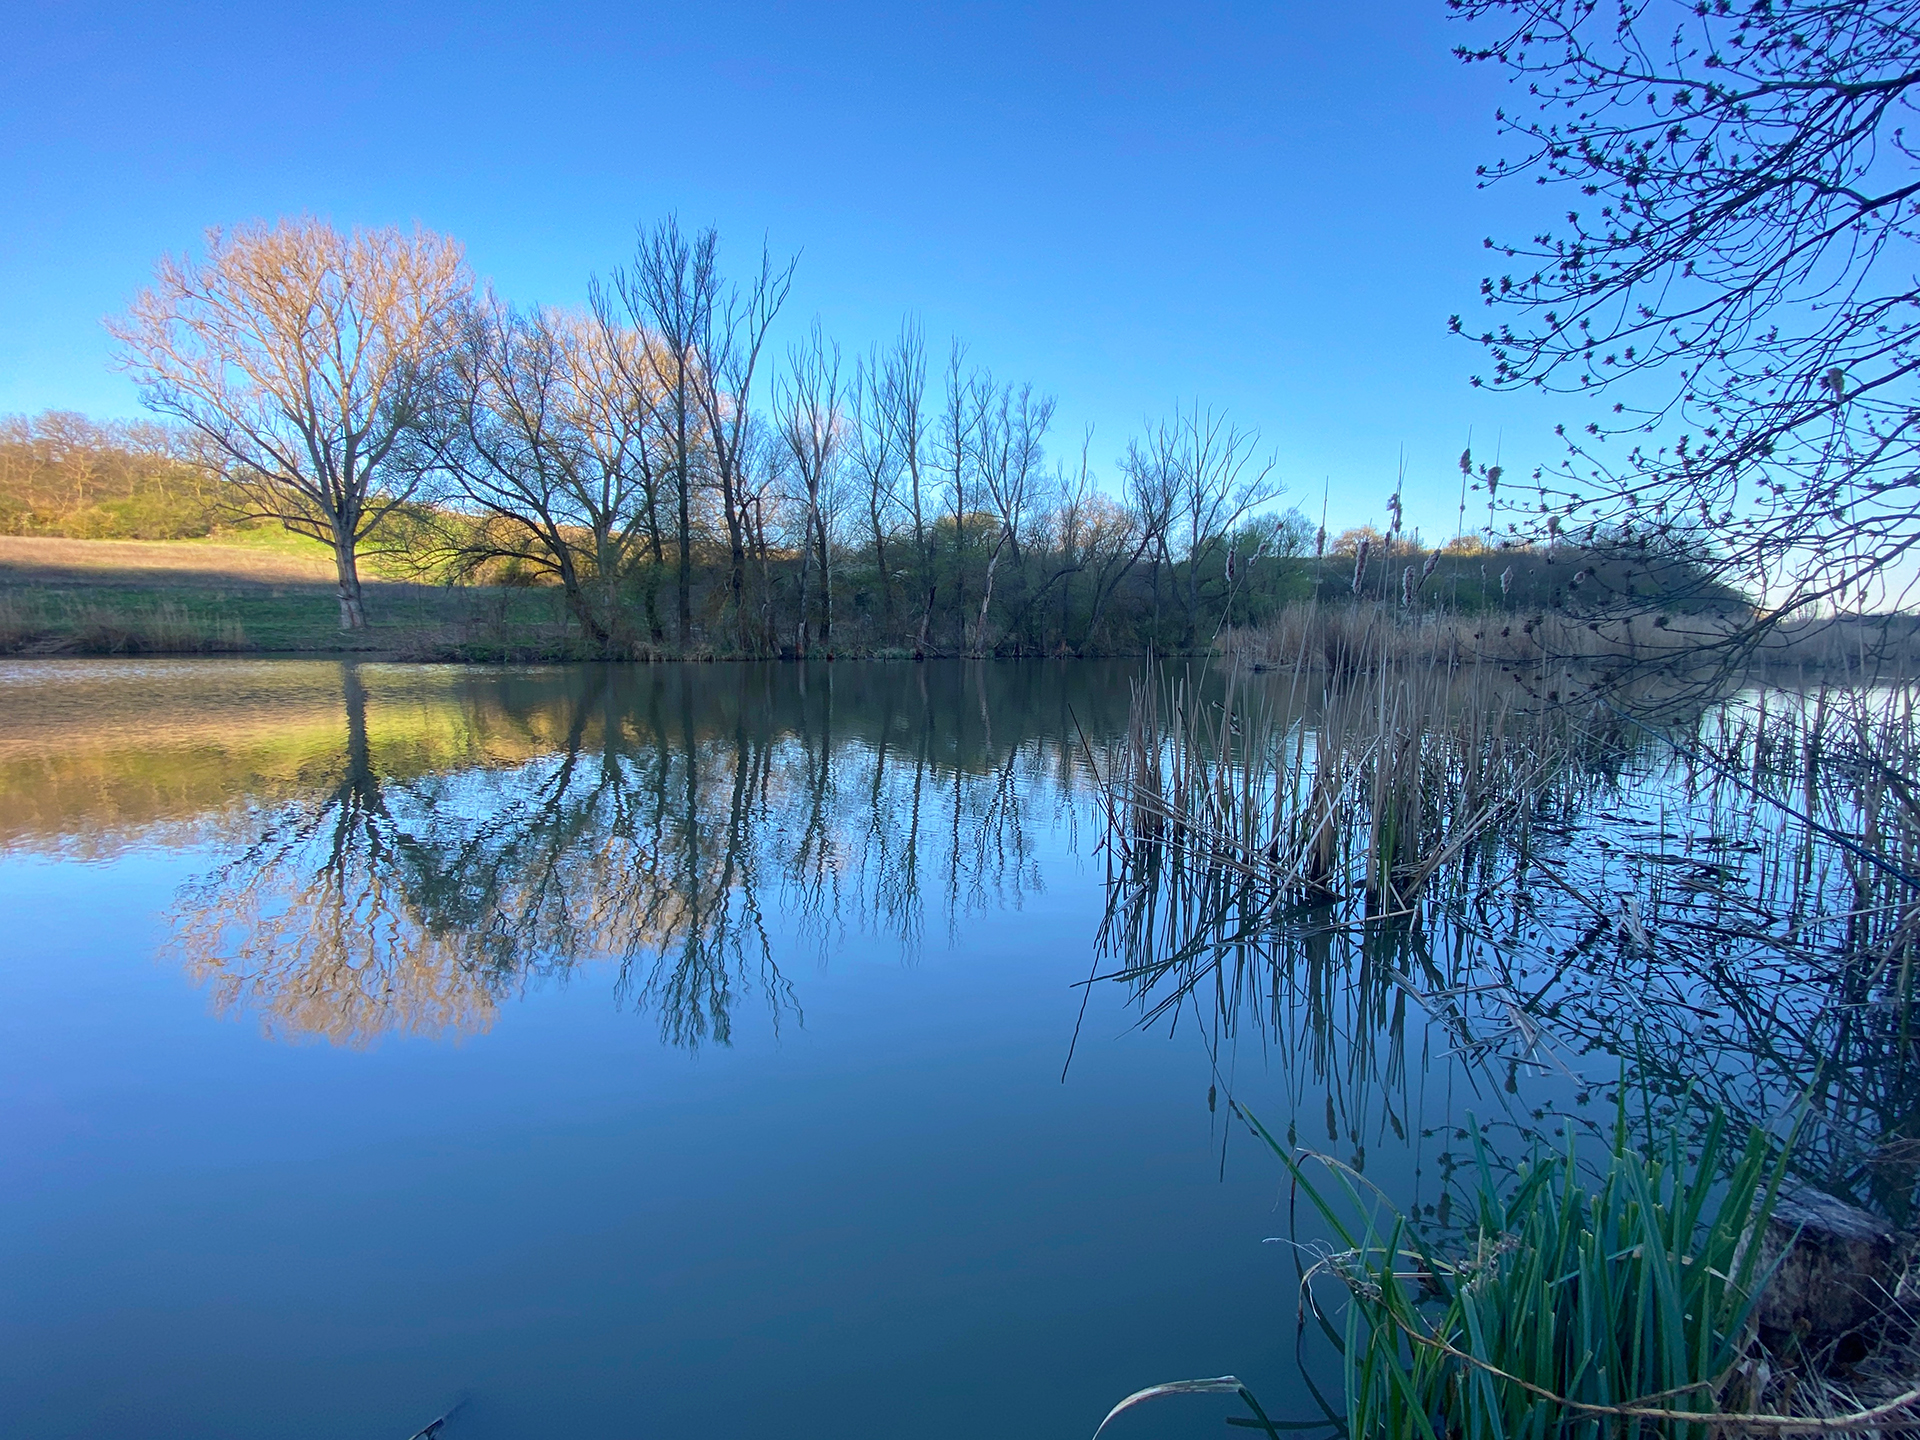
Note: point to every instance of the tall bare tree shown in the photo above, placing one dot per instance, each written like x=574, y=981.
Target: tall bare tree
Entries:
x=957, y=452
x=814, y=432
x=902, y=398
x=730, y=351
x=1008, y=439
x=1220, y=483
x=302, y=356
x=549, y=446
x=670, y=290
x=872, y=455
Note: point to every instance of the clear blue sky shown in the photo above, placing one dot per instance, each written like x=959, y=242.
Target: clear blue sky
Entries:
x=1269, y=207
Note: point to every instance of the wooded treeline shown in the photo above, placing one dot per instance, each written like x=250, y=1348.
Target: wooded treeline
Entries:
x=689, y=490
x=685, y=487
x=63, y=474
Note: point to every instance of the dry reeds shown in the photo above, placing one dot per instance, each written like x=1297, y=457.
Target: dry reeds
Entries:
x=71, y=626
x=1367, y=776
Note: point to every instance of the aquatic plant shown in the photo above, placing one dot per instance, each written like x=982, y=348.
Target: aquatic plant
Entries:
x=1575, y=1300
x=1582, y=1296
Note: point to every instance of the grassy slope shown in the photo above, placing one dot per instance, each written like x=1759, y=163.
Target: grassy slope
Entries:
x=251, y=590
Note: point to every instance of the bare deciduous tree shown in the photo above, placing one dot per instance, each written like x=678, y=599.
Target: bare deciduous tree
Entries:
x=670, y=291
x=730, y=350
x=1736, y=274
x=814, y=432
x=872, y=454
x=302, y=356
x=547, y=442
x=902, y=398
x=1008, y=441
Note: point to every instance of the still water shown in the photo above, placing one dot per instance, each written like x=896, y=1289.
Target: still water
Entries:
x=655, y=1051
x=713, y=1049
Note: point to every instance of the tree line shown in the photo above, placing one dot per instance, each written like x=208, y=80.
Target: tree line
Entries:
x=685, y=488
x=63, y=474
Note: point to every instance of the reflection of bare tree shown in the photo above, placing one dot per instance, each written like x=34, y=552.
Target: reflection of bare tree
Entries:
x=669, y=812
x=314, y=925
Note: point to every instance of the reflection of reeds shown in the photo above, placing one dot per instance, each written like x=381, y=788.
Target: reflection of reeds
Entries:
x=1730, y=904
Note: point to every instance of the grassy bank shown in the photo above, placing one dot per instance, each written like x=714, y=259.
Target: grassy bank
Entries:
x=250, y=592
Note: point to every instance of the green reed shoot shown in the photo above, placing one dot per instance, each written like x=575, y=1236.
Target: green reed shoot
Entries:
x=1579, y=1300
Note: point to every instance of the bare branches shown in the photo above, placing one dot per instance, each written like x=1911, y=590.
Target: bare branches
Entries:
x=1738, y=271
x=302, y=356
x=814, y=432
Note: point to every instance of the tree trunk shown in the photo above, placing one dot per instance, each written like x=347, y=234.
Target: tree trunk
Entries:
x=353, y=613
x=684, y=483
x=986, y=599
x=826, y=585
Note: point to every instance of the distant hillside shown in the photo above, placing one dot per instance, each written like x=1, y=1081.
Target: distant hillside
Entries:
x=65, y=475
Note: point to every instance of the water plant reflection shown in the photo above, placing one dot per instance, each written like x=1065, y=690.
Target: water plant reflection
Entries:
x=1722, y=911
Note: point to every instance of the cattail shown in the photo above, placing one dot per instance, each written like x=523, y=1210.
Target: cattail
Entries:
x=1466, y=461
x=1406, y=586
x=1506, y=581
x=1493, y=480
x=1426, y=570
x=1320, y=543
x=1360, y=562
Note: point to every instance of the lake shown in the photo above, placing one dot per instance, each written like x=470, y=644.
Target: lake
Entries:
x=695, y=1049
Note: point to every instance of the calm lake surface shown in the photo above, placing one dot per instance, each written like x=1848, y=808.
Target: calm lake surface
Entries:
x=652, y=1051
x=671, y=1050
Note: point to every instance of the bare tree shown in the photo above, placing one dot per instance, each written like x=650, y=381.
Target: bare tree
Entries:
x=1219, y=483
x=1008, y=438
x=902, y=398
x=872, y=454
x=730, y=349
x=548, y=446
x=1737, y=276
x=302, y=356
x=957, y=453
x=1153, y=472
x=814, y=432
x=670, y=291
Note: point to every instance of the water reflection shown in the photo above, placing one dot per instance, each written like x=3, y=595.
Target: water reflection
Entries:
x=1650, y=917
x=466, y=834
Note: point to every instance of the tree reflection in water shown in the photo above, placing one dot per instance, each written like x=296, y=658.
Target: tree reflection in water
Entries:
x=665, y=813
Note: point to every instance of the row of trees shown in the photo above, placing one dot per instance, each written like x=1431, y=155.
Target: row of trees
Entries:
x=63, y=474
x=684, y=487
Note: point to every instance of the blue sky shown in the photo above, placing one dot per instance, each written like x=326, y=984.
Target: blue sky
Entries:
x=1269, y=208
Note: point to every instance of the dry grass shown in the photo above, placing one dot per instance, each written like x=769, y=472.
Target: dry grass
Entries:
x=1355, y=636
x=1368, y=775
x=73, y=625
x=42, y=560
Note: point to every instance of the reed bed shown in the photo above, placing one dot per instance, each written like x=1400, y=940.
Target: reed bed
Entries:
x=1326, y=784
x=1722, y=906
x=1355, y=637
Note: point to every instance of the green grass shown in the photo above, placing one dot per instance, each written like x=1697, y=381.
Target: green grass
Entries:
x=413, y=621
x=1585, y=1295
